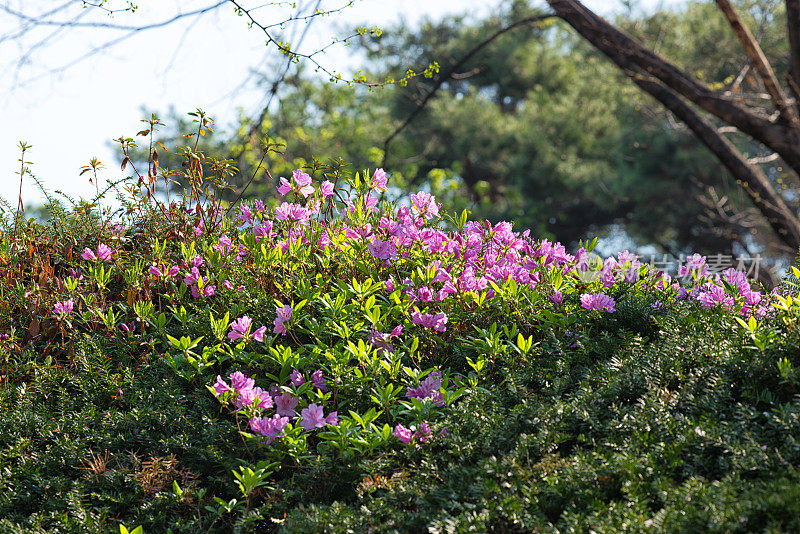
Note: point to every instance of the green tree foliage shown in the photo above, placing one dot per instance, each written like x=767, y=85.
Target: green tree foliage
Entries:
x=538, y=128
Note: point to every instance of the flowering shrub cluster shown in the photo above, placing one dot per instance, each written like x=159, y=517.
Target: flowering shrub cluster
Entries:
x=253, y=401
x=328, y=328
x=424, y=281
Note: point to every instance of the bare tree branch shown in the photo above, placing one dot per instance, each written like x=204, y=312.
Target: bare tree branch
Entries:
x=280, y=78
x=763, y=159
x=24, y=27
x=28, y=22
x=295, y=55
x=737, y=82
x=668, y=84
x=44, y=21
x=760, y=62
x=252, y=132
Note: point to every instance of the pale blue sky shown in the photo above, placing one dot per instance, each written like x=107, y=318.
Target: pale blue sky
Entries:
x=71, y=115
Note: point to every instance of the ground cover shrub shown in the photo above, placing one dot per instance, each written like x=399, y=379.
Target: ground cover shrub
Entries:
x=334, y=361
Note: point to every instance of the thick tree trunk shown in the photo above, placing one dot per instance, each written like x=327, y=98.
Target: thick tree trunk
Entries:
x=758, y=187
x=668, y=84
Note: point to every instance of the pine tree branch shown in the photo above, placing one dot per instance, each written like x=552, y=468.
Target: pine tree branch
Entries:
x=760, y=62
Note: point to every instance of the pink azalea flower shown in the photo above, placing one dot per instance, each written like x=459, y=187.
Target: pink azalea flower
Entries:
x=240, y=382
x=104, y=252
x=263, y=230
x=428, y=320
x=370, y=202
x=297, y=378
x=258, y=335
x=428, y=389
x=284, y=314
x=88, y=254
x=318, y=380
x=582, y=260
x=424, y=204
x=286, y=404
x=220, y=386
x=254, y=396
x=713, y=296
x=245, y=214
x=299, y=213
x=447, y=290
x=284, y=187
x=597, y=301
x=379, y=180
x=382, y=250
x=326, y=188
x=404, y=434
x=301, y=178
x=192, y=277
x=425, y=294
x=752, y=298
x=225, y=245
x=324, y=241
x=240, y=328
x=268, y=427
x=64, y=308
x=312, y=417
x=694, y=263
x=424, y=433
x=283, y=211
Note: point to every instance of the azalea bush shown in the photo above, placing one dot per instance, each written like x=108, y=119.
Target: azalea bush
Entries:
x=347, y=357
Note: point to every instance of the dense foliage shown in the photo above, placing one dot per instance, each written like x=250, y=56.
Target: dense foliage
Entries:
x=337, y=362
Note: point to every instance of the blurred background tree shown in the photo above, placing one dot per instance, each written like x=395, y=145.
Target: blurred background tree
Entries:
x=540, y=128
x=528, y=120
